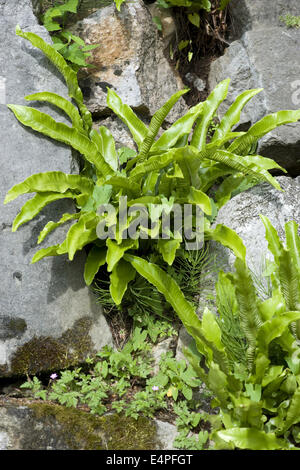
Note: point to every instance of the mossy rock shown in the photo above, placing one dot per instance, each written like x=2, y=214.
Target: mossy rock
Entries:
x=40, y=426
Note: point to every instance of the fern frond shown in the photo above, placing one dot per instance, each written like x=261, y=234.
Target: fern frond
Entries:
x=249, y=315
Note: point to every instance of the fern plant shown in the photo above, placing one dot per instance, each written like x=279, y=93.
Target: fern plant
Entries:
x=179, y=167
x=253, y=360
x=70, y=46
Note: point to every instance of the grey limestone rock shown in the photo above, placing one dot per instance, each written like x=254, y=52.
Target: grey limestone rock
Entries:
x=47, y=300
x=130, y=60
x=265, y=55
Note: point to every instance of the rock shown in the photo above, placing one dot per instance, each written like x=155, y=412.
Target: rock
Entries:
x=48, y=317
x=197, y=82
x=184, y=341
x=254, y=14
x=158, y=350
x=168, y=26
x=265, y=58
x=242, y=215
x=166, y=434
x=119, y=131
x=130, y=61
x=41, y=426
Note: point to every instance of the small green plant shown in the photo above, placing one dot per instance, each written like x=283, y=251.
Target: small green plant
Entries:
x=123, y=380
x=70, y=46
x=187, y=421
x=253, y=369
x=175, y=376
x=290, y=21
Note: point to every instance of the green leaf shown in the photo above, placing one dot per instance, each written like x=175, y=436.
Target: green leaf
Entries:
x=119, y=3
x=106, y=146
x=242, y=145
x=201, y=199
x=50, y=251
x=120, y=277
x=156, y=20
x=292, y=416
x=233, y=114
x=168, y=249
x=116, y=252
x=32, y=207
x=53, y=225
x=81, y=233
x=293, y=242
x=137, y=128
x=250, y=438
x=55, y=181
x=210, y=107
x=68, y=73
x=45, y=124
x=156, y=123
x=211, y=328
x=179, y=129
x=274, y=328
x=61, y=103
x=184, y=309
x=96, y=258
x=228, y=238
x=274, y=243
x=194, y=18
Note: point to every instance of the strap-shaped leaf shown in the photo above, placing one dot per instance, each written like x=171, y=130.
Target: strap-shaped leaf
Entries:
x=81, y=233
x=179, y=129
x=228, y=238
x=50, y=226
x=32, y=207
x=156, y=123
x=196, y=196
x=210, y=107
x=106, y=146
x=137, y=128
x=116, y=252
x=61, y=103
x=249, y=438
x=250, y=318
x=245, y=165
x=54, y=250
x=233, y=114
x=45, y=124
x=242, y=144
x=274, y=328
x=121, y=182
x=120, y=277
x=292, y=416
x=168, y=249
x=68, y=73
x=274, y=243
x=96, y=258
x=54, y=181
x=289, y=281
x=293, y=242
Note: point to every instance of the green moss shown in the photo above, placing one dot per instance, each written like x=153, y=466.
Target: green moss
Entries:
x=46, y=353
x=84, y=431
x=18, y=326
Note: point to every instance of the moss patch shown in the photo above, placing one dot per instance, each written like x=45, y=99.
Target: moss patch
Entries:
x=45, y=353
x=83, y=431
